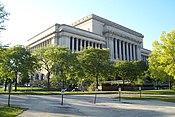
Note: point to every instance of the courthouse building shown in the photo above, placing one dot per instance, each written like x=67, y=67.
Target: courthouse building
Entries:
x=95, y=31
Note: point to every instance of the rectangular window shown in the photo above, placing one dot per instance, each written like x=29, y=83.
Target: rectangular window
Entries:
x=79, y=44
x=75, y=44
x=83, y=43
x=70, y=43
x=136, y=52
x=93, y=45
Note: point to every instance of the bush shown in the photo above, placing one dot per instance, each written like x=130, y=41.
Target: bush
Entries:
x=39, y=83
x=92, y=87
x=173, y=87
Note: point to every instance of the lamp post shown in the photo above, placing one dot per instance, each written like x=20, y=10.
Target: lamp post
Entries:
x=9, y=91
x=119, y=92
x=140, y=90
x=82, y=88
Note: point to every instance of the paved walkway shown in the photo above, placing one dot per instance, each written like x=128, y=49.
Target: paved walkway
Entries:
x=82, y=106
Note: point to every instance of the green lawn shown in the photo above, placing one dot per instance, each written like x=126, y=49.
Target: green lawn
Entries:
x=162, y=98
x=154, y=92
x=41, y=91
x=10, y=111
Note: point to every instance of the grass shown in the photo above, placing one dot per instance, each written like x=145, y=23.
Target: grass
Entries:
x=55, y=93
x=162, y=98
x=10, y=111
x=153, y=92
x=42, y=91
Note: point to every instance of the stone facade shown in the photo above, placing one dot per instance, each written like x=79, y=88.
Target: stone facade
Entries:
x=95, y=31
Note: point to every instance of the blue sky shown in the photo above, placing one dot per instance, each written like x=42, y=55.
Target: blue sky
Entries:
x=29, y=17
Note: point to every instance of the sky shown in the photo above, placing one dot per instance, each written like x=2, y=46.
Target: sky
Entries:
x=29, y=17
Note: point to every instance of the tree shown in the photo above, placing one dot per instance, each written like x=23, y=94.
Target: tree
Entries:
x=44, y=55
x=140, y=70
x=95, y=62
x=130, y=70
x=156, y=70
x=3, y=16
x=20, y=62
x=162, y=59
x=58, y=61
x=124, y=69
x=5, y=73
x=65, y=64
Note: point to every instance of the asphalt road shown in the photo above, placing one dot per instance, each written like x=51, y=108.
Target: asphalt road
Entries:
x=83, y=106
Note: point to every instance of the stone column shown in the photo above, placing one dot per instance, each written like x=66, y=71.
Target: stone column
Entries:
x=73, y=44
x=68, y=42
x=127, y=51
x=116, y=49
x=134, y=51
x=111, y=47
x=138, y=52
x=124, y=51
x=84, y=44
x=130, y=51
x=81, y=44
x=120, y=50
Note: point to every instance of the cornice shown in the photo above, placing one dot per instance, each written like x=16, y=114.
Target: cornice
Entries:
x=111, y=31
x=106, y=22
x=145, y=51
x=77, y=31
x=53, y=26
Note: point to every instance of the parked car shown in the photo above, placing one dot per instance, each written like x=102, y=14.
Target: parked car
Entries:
x=76, y=89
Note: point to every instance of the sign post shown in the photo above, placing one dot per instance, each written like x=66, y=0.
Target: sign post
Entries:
x=119, y=92
x=62, y=94
x=96, y=91
x=9, y=91
x=140, y=90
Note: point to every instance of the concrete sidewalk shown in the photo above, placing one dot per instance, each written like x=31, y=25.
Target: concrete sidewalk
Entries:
x=82, y=106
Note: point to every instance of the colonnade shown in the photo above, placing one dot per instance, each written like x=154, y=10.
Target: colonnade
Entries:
x=77, y=44
x=123, y=50
x=42, y=44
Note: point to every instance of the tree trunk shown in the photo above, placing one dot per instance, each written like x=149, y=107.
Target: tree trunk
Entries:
x=123, y=84
x=5, y=88
x=48, y=81
x=170, y=83
x=63, y=84
x=96, y=82
x=16, y=74
x=157, y=84
x=64, y=77
x=96, y=89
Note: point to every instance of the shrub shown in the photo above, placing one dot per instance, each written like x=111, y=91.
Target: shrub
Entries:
x=173, y=87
